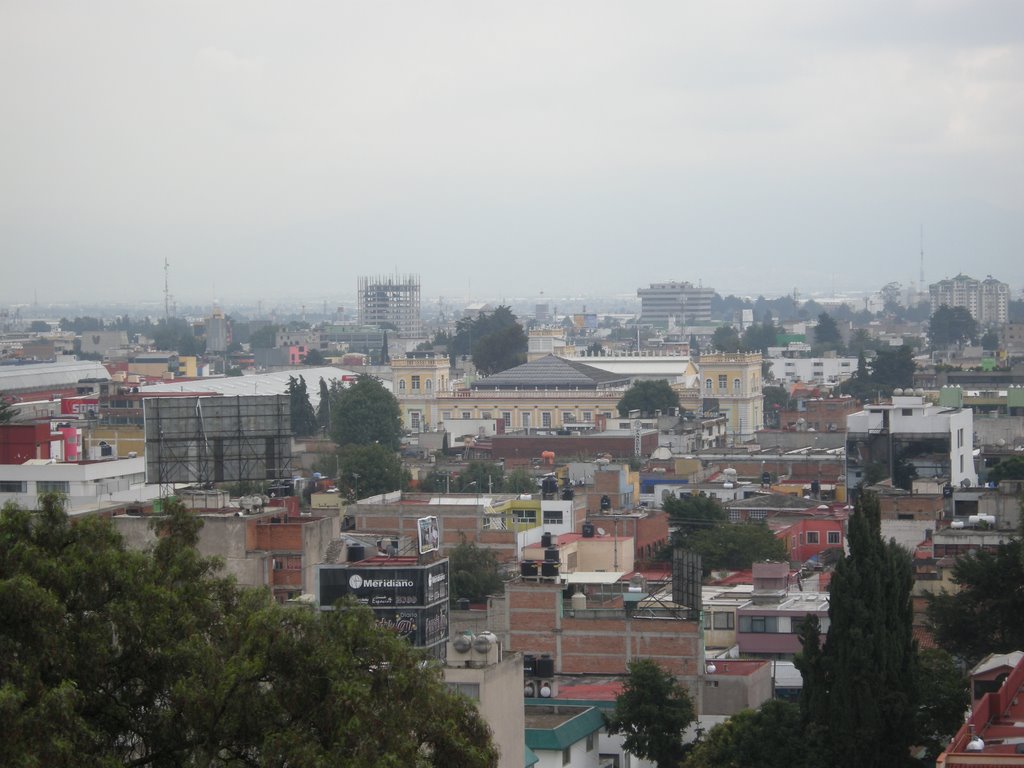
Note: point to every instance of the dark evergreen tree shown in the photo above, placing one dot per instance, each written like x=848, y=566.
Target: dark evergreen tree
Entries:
x=303, y=418
x=323, y=409
x=826, y=333
x=385, y=356
x=860, y=689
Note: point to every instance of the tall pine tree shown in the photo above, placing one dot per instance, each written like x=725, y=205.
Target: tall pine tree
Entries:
x=861, y=687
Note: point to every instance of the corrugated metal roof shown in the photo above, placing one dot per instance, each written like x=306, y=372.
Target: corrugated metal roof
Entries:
x=275, y=383
x=61, y=373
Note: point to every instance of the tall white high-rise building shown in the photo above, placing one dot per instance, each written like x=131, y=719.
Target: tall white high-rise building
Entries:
x=679, y=303
x=987, y=300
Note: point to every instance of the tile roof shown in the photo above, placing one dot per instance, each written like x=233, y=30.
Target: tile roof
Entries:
x=552, y=372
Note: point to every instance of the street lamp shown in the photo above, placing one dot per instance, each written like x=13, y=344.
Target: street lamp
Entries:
x=355, y=485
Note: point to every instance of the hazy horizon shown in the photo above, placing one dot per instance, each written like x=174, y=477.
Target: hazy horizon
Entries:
x=278, y=151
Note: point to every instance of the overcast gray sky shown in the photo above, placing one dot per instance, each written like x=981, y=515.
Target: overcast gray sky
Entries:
x=499, y=149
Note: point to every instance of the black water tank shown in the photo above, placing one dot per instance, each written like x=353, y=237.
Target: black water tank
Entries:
x=606, y=503
x=551, y=555
x=545, y=539
x=588, y=530
x=529, y=661
x=356, y=552
x=528, y=568
x=462, y=604
x=568, y=494
x=548, y=569
x=544, y=666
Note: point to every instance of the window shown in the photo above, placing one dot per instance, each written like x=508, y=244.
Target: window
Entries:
x=759, y=624
x=485, y=414
x=429, y=384
x=707, y=384
x=833, y=537
x=414, y=420
x=736, y=386
x=552, y=517
x=607, y=414
x=724, y=620
x=524, y=516
x=588, y=416
x=568, y=418
x=723, y=382
x=469, y=690
x=446, y=415
x=401, y=385
x=53, y=486
x=526, y=421
x=415, y=383
x=13, y=486
x=467, y=414
x=906, y=412
x=506, y=417
x=707, y=620
x=812, y=537
x=545, y=419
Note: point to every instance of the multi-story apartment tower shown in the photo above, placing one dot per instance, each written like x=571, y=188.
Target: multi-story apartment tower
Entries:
x=679, y=303
x=987, y=300
x=391, y=300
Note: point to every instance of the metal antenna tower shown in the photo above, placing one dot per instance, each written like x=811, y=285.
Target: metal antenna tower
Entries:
x=167, y=292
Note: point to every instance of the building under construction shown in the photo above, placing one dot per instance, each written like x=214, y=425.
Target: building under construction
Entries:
x=391, y=300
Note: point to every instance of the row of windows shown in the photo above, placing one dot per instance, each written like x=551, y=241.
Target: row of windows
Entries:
x=546, y=417
x=723, y=384
x=719, y=620
x=776, y=624
x=814, y=537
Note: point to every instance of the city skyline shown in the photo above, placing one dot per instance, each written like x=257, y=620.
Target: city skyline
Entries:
x=585, y=149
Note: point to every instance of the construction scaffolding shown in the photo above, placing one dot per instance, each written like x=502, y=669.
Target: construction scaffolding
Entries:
x=391, y=300
x=217, y=439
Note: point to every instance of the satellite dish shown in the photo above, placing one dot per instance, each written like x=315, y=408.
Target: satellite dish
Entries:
x=601, y=532
x=965, y=483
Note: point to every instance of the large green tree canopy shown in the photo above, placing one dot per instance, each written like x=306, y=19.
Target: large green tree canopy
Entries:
x=652, y=712
x=114, y=657
x=369, y=470
x=648, y=397
x=496, y=340
x=986, y=614
x=365, y=413
x=951, y=325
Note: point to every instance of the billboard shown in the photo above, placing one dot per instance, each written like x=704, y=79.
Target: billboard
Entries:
x=384, y=586
x=687, y=578
x=422, y=627
x=429, y=536
x=217, y=439
x=79, y=406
